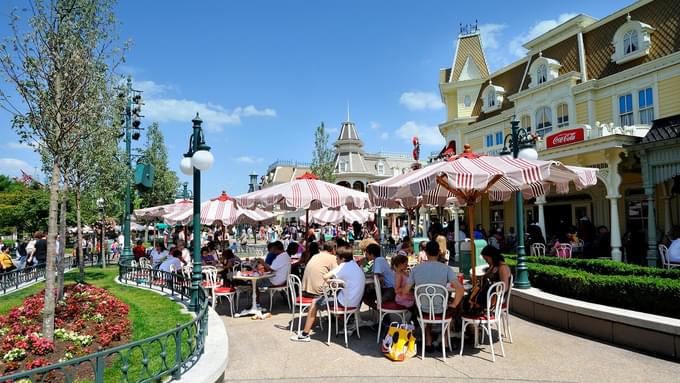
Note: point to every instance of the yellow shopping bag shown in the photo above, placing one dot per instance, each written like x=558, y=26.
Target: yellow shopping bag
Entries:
x=399, y=344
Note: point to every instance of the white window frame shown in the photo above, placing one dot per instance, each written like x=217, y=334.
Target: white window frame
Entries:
x=498, y=137
x=542, y=70
x=522, y=124
x=380, y=168
x=648, y=110
x=623, y=42
x=342, y=166
x=488, y=140
x=627, y=117
x=492, y=98
x=562, y=118
x=467, y=101
x=542, y=131
x=542, y=73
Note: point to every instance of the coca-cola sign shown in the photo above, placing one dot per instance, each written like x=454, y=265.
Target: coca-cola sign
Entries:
x=565, y=137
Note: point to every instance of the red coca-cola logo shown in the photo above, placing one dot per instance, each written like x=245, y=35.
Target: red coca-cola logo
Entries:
x=565, y=137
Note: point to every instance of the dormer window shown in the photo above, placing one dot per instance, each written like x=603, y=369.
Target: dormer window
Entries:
x=492, y=98
x=342, y=167
x=542, y=70
x=542, y=73
x=631, y=41
x=380, y=168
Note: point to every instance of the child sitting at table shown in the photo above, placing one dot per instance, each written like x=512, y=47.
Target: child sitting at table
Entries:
x=207, y=258
x=403, y=294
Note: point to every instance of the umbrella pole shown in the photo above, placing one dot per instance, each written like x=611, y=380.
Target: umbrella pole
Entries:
x=306, y=223
x=473, y=255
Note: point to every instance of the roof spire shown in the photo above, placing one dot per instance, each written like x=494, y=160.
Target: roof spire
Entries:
x=347, y=110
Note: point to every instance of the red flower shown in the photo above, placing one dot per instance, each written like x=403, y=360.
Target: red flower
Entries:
x=36, y=363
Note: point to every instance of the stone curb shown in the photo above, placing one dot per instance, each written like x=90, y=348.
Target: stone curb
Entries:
x=211, y=366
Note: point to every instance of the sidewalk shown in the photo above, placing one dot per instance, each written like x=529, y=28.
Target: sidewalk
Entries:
x=261, y=351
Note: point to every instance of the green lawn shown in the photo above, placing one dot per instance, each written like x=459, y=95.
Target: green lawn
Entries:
x=150, y=314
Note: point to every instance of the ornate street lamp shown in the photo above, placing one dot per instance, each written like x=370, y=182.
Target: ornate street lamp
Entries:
x=100, y=206
x=197, y=158
x=521, y=143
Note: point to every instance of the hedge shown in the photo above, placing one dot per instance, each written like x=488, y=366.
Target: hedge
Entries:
x=649, y=294
x=606, y=267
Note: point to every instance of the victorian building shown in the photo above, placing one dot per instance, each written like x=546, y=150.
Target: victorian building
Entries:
x=591, y=89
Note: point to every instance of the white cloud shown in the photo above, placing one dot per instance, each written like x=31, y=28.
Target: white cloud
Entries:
x=490, y=34
x=384, y=135
x=375, y=125
x=13, y=166
x=249, y=160
x=420, y=101
x=542, y=26
x=428, y=135
x=152, y=89
x=214, y=116
x=18, y=146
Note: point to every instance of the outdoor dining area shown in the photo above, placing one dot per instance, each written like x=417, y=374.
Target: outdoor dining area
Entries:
x=349, y=286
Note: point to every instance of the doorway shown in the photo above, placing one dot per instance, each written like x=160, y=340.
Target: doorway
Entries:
x=558, y=219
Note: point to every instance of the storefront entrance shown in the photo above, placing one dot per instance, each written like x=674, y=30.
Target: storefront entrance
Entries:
x=558, y=218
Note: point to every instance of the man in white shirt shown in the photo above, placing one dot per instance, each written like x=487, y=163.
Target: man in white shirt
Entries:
x=172, y=262
x=158, y=254
x=280, y=266
x=186, y=255
x=350, y=296
x=674, y=248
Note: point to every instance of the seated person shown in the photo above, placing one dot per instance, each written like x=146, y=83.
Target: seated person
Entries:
x=280, y=267
x=438, y=273
x=172, y=262
x=6, y=264
x=422, y=256
x=138, y=251
x=158, y=254
x=350, y=296
x=313, y=278
x=269, y=258
x=385, y=274
x=207, y=258
x=403, y=293
x=674, y=249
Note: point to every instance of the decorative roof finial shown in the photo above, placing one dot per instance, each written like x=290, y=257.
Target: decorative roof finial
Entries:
x=347, y=110
x=540, y=54
x=628, y=17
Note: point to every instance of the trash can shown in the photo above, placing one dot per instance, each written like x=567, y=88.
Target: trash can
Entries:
x=465, y=263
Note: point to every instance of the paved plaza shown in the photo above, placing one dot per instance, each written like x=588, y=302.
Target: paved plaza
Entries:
x=261, y=351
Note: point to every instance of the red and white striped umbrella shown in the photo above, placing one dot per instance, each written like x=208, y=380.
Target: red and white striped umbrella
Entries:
x=468, y=176
x=336, y=216
x=222, y=209
x=159, y=211
x=306, y=192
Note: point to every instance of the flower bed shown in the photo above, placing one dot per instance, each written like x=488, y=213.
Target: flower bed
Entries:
x=88, y=319
x=645, y=289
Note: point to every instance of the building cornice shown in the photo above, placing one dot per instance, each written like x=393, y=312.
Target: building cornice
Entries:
x=589, y=146
x=649, y=67
x=560, y=33
x=504, y=115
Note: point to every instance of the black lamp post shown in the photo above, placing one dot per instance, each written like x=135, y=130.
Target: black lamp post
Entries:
x=100, y=206
x=197, y=158
x=521, y=143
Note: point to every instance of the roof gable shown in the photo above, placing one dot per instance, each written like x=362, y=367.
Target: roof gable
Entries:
x=469, y=49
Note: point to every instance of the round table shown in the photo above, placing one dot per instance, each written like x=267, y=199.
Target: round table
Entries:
x=253, y=279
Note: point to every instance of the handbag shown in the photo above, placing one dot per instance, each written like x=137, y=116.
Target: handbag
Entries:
x=399, y=343
x=476, y=302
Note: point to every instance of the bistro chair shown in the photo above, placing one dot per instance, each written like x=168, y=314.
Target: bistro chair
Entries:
x=278, y=289
x=334, y=308
x=210, y=282
x=537, y=250
x=299, y=302
x=563, y=250
x=432, y=300
x=665, y=261
x=386, y=308
x=505, y=311
x=227, y=292
x=490, y=316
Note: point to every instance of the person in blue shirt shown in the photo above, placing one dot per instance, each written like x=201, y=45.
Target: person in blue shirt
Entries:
x=382, y=269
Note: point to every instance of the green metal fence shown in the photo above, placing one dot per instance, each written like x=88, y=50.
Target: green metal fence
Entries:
x=153, y=359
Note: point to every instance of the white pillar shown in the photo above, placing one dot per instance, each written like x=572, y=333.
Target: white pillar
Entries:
x=613, y=182
x=540, y=202
x=667, y=218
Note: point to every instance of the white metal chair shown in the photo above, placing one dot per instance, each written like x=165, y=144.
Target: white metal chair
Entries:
x=386, y=308
x=144, y=263
x=563, y=250
x=537, y=250
x=278, y=289
x=298, y=301
x=133, y=263
x=490, y=316
x=210, y=281
x=432, y=300
x=227, y=292
x=505, y=311
x=665, y=260
x=334, y=308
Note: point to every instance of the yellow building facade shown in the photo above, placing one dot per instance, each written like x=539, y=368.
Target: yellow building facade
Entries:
x=591, y=89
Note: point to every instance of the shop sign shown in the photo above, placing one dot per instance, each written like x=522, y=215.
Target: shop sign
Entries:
x=565, y=137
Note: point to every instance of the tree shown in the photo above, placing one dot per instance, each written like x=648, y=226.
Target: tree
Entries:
x=165, y=181
x=57, y=59
x=323, y=156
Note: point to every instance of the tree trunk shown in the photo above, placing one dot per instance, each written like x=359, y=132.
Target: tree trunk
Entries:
x=61, y=264
x=50, y=271
x=79, y=235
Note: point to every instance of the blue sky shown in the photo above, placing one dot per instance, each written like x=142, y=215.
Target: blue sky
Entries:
x=264, y=74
